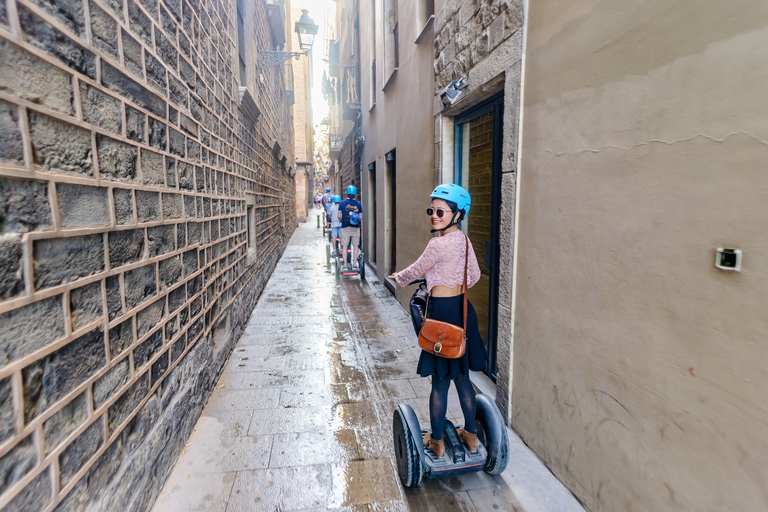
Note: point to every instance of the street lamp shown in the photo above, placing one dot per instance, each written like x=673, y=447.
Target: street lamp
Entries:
x=306, y=30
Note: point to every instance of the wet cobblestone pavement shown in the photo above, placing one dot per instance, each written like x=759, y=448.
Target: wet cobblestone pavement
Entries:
x=301, y=419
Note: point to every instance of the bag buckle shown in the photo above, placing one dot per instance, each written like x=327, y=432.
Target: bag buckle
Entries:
x=438, y=347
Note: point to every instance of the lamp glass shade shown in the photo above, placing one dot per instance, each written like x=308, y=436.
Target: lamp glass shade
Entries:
x=306, y=30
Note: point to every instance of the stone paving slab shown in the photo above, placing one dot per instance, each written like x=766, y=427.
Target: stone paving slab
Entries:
x=301, y=417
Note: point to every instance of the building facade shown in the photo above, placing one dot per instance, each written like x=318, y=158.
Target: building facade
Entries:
x=146, y=193
x=300, y=71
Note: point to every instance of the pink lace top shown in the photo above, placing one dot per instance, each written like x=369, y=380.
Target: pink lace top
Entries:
x=442, y=262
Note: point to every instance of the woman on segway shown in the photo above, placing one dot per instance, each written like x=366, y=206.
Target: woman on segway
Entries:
x=442, y=263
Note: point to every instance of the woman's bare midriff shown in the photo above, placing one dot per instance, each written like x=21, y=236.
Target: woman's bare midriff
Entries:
x=443, y=291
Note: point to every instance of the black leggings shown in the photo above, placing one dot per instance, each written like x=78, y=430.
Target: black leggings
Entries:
x=438, y=403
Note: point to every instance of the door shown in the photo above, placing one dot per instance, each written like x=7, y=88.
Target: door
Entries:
x=478, y=141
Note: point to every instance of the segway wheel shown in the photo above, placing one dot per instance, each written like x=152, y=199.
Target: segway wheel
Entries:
x=361, y=264
x=338, y=269
x=492, y=433
x=327, y=254
x=410, y=467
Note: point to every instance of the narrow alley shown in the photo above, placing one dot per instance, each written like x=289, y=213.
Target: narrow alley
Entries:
x=301, y=418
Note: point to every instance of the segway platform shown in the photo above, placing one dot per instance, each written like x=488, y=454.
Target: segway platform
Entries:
x=414, y=461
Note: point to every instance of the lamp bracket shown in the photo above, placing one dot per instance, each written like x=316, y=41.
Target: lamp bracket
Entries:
x=269, y=59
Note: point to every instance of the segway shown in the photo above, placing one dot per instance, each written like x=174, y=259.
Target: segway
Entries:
x=357, y=271
x=414, y=461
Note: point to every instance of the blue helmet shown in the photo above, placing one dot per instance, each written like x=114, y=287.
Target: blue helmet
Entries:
x=336, y=199
x=351, y=190
x=327, y=190
x=456, y=194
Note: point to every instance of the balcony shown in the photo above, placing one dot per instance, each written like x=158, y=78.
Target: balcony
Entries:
x=335, y=143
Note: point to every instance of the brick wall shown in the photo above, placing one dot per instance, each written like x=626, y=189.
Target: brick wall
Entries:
x=126, y=275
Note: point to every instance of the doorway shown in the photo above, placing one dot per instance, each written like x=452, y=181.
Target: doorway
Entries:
x=478, y=143
x=371, y=207
x=390, y=223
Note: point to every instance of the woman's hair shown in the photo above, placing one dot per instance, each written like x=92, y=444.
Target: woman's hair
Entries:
x=454, y=207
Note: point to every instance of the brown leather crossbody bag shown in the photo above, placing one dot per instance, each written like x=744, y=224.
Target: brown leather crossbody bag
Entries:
x=444, y=339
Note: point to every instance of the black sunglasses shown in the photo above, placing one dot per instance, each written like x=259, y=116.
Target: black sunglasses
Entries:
x=440, y=212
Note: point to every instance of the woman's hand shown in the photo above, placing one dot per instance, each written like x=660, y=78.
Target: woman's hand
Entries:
x=393, y=275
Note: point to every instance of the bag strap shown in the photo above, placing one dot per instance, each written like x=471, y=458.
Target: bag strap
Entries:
x=466, y=263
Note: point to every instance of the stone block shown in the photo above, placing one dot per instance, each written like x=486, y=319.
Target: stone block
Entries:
x=50, y=378
x=11, y=145
x=110, y=382
x=169, y=25
x=114, y=298
x=117, y=81
x=195, y=232
x=86, y=304
x=11, y=271
x=68, y=12
x=190, y=262
x=152, y=168
x=103, y=31
x=156, y=76
x=24, y=206
x=162, y=240
x=151, y=7
x=181, y=235
x=132, y=53
x=59, y=426
x=35, y=496
x=81, y=206
x=189, y=206
x=140, y=23
x=85, y=446
x=170, y=172
x=6, y=410
x=100, y=109
x=117, y=160
x=63, y=260
x=193, y=150
x=19, y=461
x=29, y=328
x=147, y=206
x=187, y=72
x=176, y=299
x=170, y=272
x=125, y=247
x=200, y=179
x=123, y=199
x=121, y=337
x=173, y=115
x=35, y=80
x=176, y=142
x=135, y=125
x=140, y=285
x=157, y=134
x=3, y=16
x=179, y=93
x=58, y=146
x=186, y=176
x=166, y=50
x=128, y=402
x=158, y=370
x=150, y=316
x=135, y=432
x=147, y=349
x=194, y=285
x=188, y=125
x=177, y=349
x=172, y=327
x=172, y=208
x=116, y=7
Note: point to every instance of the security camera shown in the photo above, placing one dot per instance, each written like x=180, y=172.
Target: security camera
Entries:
x=451, y=94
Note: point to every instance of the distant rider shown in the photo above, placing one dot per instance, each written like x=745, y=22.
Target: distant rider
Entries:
x=350, y=214
x=335, y=222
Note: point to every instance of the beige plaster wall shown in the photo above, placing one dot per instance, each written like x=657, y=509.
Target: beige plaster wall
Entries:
x=639, y=371
x=402, y=119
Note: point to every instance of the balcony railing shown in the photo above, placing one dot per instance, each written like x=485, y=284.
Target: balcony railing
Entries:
x=335, y=143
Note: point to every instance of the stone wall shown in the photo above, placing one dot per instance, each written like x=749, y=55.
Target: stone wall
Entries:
x=483, y=41
x=127, y=168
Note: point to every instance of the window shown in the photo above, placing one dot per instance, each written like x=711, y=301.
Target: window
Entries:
x=241, y=40
x=373, y=82
x=391, y=50
x=425, y=13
